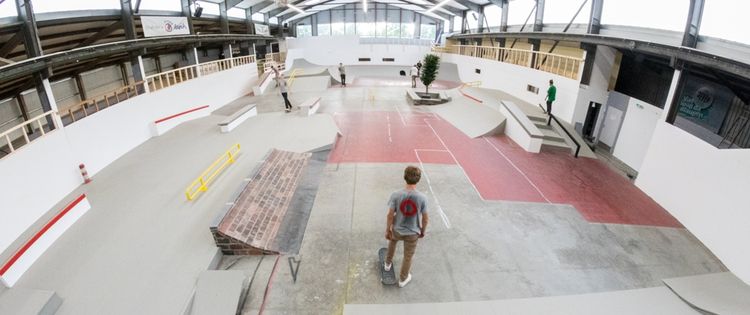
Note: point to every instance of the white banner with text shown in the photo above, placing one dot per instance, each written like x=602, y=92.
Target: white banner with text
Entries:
x=154, y=26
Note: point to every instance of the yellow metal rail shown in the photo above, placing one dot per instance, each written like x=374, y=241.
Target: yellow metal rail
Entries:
x=201, y=183
x=293, y=76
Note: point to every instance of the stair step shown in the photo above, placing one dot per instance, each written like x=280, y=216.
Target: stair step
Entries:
x=31, y=302
x=538, y=118
x=552, y=135
x=553, y=143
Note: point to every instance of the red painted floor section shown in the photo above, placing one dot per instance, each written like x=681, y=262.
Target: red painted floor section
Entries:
x=498, y=168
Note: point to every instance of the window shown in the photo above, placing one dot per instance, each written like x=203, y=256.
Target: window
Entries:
x=705, y=105
x=338, y=29
x=233, y=12
x=493, y=15
x=257, y=17
x=324, y=29
x=304, y=30
x=42, y=6
x=427, y=31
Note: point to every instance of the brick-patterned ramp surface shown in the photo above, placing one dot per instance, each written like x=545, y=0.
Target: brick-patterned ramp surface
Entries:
x=252, y=222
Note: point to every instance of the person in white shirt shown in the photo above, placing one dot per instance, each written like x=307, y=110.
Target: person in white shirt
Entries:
x=283, y=90
x=414, y=72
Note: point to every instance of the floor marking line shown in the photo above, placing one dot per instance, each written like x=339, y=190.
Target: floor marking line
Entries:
x=455, y=160
x=517, y=169
x=388, y=118
x=443, y=216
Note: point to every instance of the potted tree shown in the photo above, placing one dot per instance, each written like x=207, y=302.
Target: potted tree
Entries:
x=429, y=74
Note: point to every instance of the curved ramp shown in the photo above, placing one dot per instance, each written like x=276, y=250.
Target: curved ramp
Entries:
x=715, y=293
x=472, y=118
x=448, y=71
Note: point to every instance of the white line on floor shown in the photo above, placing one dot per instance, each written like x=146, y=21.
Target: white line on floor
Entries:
x=517, y=169
x=454, y=159
x=443, y=216
x=388, y=117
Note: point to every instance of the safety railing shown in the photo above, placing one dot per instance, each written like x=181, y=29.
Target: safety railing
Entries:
x=566, y=66
x=279, y=57
x=293, y=76
x=201, y=183
x=268, y=63
x=27, y=132
x=169, y=78
x=243, y=60
x=95, y=104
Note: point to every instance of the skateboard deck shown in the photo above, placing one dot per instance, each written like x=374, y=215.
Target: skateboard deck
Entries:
x=386, y=277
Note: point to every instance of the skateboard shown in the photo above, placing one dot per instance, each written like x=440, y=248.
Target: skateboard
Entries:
x=386, y=277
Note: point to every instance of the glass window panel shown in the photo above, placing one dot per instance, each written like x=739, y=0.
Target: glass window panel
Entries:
x=233, y=12
x=518, y=11
x=662, y=14
x=723, y=19
x=8, y=8
x=351, y=29
x=324, y=29
x=304, y=30
x=456, y=23
x=273, y=20
x=209, y=8
x=257, y=17
x=338, y=29
x=160, y=5
x=561, y=11
x=42, y=6
x=493, y=14
x=427, y=31
x=407, y=30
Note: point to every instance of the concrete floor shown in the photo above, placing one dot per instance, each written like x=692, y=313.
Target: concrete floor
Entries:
x=141, y=247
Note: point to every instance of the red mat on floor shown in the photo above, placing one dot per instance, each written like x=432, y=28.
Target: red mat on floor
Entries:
x=497, y=167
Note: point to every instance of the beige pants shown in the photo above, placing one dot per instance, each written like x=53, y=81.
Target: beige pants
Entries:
x=410, y=246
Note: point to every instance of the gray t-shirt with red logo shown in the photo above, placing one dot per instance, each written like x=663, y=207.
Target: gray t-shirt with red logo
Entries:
x=409, y=206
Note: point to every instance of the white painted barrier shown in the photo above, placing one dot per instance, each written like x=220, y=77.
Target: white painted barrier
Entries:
x=519, y=128
x=162, y=125
x=21, y=261
x=238, y=118
x=310, y=106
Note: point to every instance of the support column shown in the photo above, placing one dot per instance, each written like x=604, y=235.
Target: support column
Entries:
x=595, y=19
x=34, y=49
x=24, y=112
x=124, y=75
x=250, y=26
x=136, y=62
x=504, y=16
x=451, y=25
x=463, y=22
x=537, y=27
x=139, y=74
x=692, y=29
x=417, y=26
x=81, y=88
x=314, y=24
x=186, y=13
x=224, y=25
x=480, y=21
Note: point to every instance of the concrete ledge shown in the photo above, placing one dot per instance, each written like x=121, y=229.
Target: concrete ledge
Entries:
x=218, y=292
x=238, y=118
x=162, y=125
x=310, y=106
x=415, y=98
x=25, y=301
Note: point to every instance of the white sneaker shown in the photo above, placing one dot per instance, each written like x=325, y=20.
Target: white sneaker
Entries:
x=387, y=266
x=402, y=284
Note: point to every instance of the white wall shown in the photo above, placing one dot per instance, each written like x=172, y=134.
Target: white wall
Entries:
x=332, y=50
x=104, y=137
x=514, y=79
x=705, y=188
x=636, y=132
x=35, y=178
x=39, y=175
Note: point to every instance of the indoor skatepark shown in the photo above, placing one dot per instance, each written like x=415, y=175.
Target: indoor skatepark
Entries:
x=207, y=198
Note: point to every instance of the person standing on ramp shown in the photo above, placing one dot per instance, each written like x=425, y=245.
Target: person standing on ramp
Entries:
x=284, y=94
x=403, y=224
x=342, y=73
x=551, y=92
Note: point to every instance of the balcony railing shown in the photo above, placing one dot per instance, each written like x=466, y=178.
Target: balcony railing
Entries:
x=566, y=66
x=26, y=132
x=95, y=104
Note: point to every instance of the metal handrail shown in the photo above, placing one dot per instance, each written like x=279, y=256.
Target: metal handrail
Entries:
x=549, y=121
x=200, y=184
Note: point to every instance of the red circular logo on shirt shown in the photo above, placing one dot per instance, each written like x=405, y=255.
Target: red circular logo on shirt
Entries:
x=408, y=207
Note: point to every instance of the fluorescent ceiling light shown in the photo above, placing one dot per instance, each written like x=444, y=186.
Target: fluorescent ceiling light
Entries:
x=364, y=5
x=295, y=8
x=442, y=3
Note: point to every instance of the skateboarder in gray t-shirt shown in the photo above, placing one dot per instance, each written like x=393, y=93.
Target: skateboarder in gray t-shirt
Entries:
x=405, y=207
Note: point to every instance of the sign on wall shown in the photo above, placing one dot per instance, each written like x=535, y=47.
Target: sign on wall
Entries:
x=262, y=29
x=164, y=26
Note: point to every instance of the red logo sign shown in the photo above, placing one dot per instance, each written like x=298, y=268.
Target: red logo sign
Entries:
x=408, y=207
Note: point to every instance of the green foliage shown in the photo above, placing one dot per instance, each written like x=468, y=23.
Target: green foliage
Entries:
x=429, y=70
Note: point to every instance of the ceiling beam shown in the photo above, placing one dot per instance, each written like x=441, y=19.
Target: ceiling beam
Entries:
x=471, y=5
x=232, y=3
x=101, y=34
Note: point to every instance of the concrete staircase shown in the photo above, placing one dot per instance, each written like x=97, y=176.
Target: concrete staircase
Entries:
x=551, y=137
x=29, y=302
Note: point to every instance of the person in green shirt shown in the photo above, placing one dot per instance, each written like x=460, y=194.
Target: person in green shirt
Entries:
x=551, y=91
